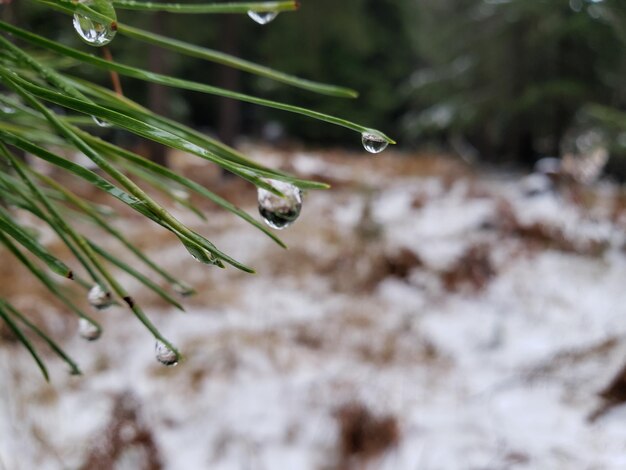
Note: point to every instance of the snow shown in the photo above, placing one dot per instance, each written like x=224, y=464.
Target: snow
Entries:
x=493, y=378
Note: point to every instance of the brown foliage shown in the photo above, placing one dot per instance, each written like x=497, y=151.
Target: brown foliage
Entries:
x=473, y=269
x=541, y=235
x=6, y=334
x=554, y=237
x=613, y=395
x=401, y=263
x=125, y=431
x=365, y=266
x=616, y=391
x=364, y=436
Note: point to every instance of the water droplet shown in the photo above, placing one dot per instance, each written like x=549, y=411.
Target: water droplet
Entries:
x=373, y=142
x=181, y=194
x=165, y=355
x=585, y=154
x=199, y=254
x=263, y=17
x=6, y=109
x=101, y=122
x=183, y=289
x=93, y=32
x=88, y=330
x=280, y=212
x=99, y=298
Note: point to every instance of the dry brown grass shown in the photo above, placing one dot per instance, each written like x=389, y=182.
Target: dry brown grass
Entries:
x=364, y=436
x=126, y=432
x=540, y=236
x=614, y=394
x=361, y=267
x=473, y=270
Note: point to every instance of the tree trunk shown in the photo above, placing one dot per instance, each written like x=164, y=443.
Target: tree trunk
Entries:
x=158, y=95
x=229, y=110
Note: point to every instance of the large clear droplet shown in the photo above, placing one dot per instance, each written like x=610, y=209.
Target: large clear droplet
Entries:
x=165, y=355
x=93, y=32
x=88, y=330
x=263, y=17
x=280, y=212
x=99, y=298
x=373, y=142
x=101, y=122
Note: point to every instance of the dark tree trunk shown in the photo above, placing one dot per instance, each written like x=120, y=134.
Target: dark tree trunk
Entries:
x=229, y=111
x=521, y=145
x=229, y=114
x=158, y=95
x=9, y=13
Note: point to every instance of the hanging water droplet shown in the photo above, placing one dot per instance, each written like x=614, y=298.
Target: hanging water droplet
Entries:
x=200, y=255
x=373, y=142
x=88, y=330
x=165, y=355
x=99, y=298
x=101, y=122
x=263, y=17
x=280, y=212
x=183, y=289
x=93, y=32
x=6, y=109
x=181, y=194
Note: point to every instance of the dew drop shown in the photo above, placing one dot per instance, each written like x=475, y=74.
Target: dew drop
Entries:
x=6, y=109
x=181, y=194
x=200, y=255
x=373, y=142
x=264, y=17
x=91, y=31
x=165, y=355
x=88, y=330
x=99, y=298
x=101, y=122
x=280, y=212
x=183, y=289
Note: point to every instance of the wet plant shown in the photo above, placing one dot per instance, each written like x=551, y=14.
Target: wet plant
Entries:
x=49, y=114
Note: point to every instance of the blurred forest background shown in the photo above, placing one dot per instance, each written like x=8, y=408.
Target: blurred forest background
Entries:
x=504, y=79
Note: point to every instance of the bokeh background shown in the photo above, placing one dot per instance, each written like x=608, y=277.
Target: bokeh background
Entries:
x=454, y=303
x=511, y=78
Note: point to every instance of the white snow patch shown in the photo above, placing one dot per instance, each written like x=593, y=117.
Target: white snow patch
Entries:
x=265, y=371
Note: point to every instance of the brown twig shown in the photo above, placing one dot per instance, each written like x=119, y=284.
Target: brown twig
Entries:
x=115, y=78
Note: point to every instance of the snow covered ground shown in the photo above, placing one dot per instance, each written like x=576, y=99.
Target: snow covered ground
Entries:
x=472, y=323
